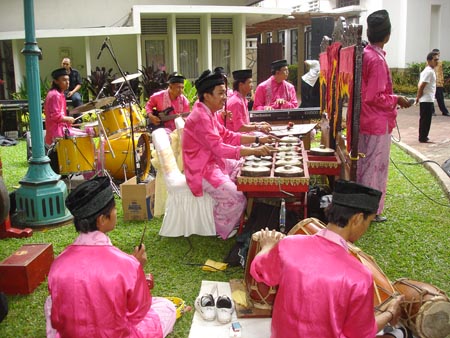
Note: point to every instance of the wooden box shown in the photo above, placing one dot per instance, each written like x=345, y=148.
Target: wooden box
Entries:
x=25, y=269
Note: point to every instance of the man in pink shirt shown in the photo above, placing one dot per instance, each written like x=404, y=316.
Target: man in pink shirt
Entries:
x=239, y=119
x=96, y=290
x=378, y=109
x=211, y=153
x=324, y=291
x=57, y=123
x=276, y=92
x=170, y=98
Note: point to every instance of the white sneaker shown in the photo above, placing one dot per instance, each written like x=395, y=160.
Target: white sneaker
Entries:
x=225, y=308
x=206, y=307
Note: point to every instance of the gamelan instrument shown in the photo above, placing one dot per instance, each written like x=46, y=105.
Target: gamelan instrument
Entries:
x=261, y=295
x=425, y=310
x=282, y=115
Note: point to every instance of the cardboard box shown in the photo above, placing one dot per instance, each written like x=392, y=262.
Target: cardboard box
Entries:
x=25, y=269
x=138, y=200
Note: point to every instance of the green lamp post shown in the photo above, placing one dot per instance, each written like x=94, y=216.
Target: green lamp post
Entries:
x=41, y=195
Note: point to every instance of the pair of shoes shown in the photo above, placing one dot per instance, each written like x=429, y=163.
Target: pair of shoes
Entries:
x=446, y=114
x=424, y=140
x=434, y=114
x=209, y=309
x=379, y=218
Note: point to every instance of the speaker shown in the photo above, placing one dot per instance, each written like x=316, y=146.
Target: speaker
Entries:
x=320, y=27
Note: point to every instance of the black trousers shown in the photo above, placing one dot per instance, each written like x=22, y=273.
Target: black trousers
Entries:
x=426, y=112
x=440, y=100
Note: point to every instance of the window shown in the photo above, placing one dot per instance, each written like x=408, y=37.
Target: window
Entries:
x=155, y=54
x=188, y=57
x=294, y=46
x=282, y=40
x=345, y=3
x=221, y=54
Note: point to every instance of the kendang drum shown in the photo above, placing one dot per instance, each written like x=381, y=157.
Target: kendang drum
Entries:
x=261, y=294
x=115, y=121
x=76, y=154
x=123, y=163
x=383, y=289
x=425, y=310
x=308, y=226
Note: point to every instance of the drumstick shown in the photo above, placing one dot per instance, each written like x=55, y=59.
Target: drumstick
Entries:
x=79, y=117
x=142, y=237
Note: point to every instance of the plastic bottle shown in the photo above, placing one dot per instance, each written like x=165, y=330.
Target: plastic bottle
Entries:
x=283, y=216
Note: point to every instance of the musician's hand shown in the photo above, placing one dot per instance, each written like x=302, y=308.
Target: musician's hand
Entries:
x=268, y=139
x=403, y=102
x=269, y=238
x=280, y=101
x=264, y=127
x=69, y=119
x=268, y=108
x=263, y=150
x=226, y=115
x=140, y=255
x=154, y=119
x=393, y=306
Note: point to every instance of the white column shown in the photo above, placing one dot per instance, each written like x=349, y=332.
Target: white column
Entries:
x=172, y=35
x=205, y=55
x=239, y=32
x=139, y=51
x=87, y=51
x=19, y=71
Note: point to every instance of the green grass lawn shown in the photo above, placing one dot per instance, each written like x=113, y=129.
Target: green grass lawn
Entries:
x=413, y=243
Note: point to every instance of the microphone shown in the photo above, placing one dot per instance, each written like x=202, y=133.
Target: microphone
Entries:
x=103, y=47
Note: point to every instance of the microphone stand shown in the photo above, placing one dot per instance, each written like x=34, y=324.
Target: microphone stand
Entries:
x=122, y=73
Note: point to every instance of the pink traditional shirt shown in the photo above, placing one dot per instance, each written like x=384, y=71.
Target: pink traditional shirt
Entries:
x=269, y=91
x=238, y=105
x=323, y=291
x=161, y=100
x=55, y=111
x=379, y=104
x=206, y=143
x=99, y=291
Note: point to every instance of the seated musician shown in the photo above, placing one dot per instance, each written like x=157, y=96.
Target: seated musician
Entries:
x=323, y=291
x=57, y=123
x=96, y=290
x=239, y=120
x=276, y=92
x=211, y=153
x=171, y=97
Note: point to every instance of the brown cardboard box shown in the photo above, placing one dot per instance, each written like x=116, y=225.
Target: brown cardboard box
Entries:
x=26, y=268
x=138, y=200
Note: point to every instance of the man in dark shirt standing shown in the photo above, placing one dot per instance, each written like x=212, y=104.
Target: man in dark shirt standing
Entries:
x=75, y=82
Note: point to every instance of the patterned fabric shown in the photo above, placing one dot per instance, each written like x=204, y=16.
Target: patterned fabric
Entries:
x=229, y=202
x=269, y=91
x=329, y=294
x=345, y=86
x=372, y=170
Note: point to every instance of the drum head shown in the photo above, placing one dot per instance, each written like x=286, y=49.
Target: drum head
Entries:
x=433, y=320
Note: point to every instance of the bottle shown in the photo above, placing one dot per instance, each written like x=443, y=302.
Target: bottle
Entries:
x=283, y=216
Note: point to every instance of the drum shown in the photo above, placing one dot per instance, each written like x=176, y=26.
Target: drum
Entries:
x=123, y=164
x=76, y=154
x=382, y=285
x=91, y=128
x=115, y=120
x=426, y=309
x=308, y=226
x=138, y=119
x=261, y=294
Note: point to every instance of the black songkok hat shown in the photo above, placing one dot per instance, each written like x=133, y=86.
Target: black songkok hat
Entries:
x=242, y=74
x=220, y=70
x=176, y=78
x=378, y=22
x=357, y=196
x=278, y=64
x=59, y=72
x=90, y=197
x=207, y=80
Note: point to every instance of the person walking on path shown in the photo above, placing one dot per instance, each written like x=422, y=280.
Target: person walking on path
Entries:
x=440, y=85
x=425, y=96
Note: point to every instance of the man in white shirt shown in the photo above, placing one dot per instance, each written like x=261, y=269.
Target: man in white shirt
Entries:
x=425, y=96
